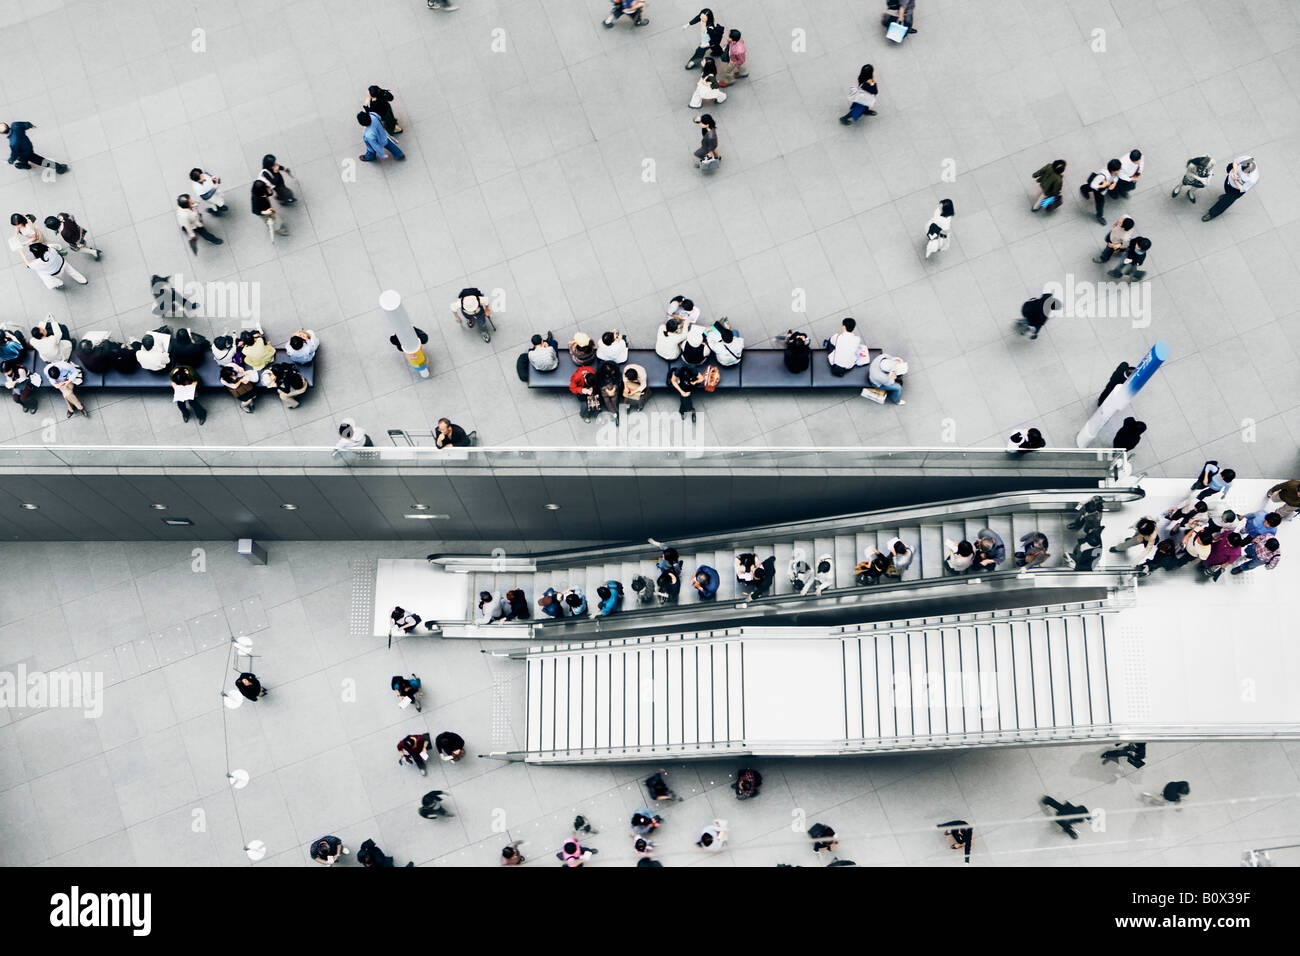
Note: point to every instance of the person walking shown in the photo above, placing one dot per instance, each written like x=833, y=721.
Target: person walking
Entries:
x=450, y=746
x=380, y=101
x=1287, y=493
x=938, y=231
x=22, y=155
x=1023, y=442
x=634, y=9
x=328, y=849
x=207, y=187
x=711, y=33
x=1129, y=434
x=1131, y=168
x=1066, y=810
x=1261, y=551
x=573, y=854
x=190, y=220
x=1123, y=371
x=708, y=151
x=1197, y=175
x=261, y=201
x=713, y=836
x=273, y=175
x=1242, y=176
x=962, y=835
x=352, y=436
x=1173, y=792
x=1051, y=180
x=185, y=384
x=1144, y=534
x=1116, y=240
x=899, y=11
x=249, y=686
x=414, y=749
x=371, y=856
x=406, y=690
x=72, y=233
x=376, y=139
x=1213, y=480
x=1135, y=754
x=1134, y=258
x=707, y=88
x=735, y=58
x=510, y=855
x=50, y=266
x=862, y=96
x=431, y=806
x=1035, y=312
x=1101, y=185
x=27, y=232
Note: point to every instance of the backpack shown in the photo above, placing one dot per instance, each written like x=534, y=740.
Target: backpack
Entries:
x=798, y=355
x=521, y=367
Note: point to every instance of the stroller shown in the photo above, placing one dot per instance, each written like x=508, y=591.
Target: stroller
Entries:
x=1197, y=176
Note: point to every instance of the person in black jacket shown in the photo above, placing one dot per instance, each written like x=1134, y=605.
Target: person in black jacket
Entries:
x=450, y=435
x=248, y=685
x=380, y=102
x=764, y=577
x=188, y=348
x=711, y=34
x=1035, y=313
x=450, y=745
x=370, y=855
x=273, y=175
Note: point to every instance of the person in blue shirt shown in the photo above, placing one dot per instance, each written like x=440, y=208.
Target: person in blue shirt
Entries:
x=1213, y=480
x=21, y=152
x=549, y=603
x=706, y=582
x=376, y=138
x=1262, y=522
x=611, y=598
x=575, y=603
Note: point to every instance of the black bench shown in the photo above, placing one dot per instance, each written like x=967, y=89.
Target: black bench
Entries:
x=758, y=368
x=209, y=373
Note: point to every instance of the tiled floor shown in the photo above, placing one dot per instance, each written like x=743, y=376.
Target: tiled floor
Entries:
x=320, y=748
x=529, y=128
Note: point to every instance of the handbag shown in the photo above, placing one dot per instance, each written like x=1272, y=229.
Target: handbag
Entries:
x=896, y=32
x=874, y=394
x=712, y=376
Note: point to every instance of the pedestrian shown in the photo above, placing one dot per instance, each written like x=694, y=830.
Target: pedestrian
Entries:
x=990, y=550
x=27, y=232
x=962, y=835
x=1131, y=168
x=1051, y=180
x=444, y=5
x=449, y=435
x=1144, y=534
x=375, y=139
x=1086, y=550
x=261, y=202
x=938, y=231
x=899, y=11
x=658, y=788
x=403, y=620
x=1023, y=442
x=352, y=437
x=371, y=856
x=1196, y=177
x=645, y=822
x=431, y=806
x=65, y=376
x=208, y=189
x=1242, y=176
x=72, y=233
x=1129, y=434
x=1088, y=515
x=707, y=88
x=328, y=849
x=510, y=855
x=407, y=690
x=1288, y=494
x=748, y=783
x=1033, y=550
x=635, y=9
x=1067, y=810
x=573, y=854
x=185, y=384
x=1035, y=312
x=1262, y=522
x=1195, y=545
x=708, y=151
x=1263, y=550
x=414, y=749
x=713, y=836
x=1135, y=754
x=711, y=33
x=1101, y=185
x=1115, y=240
x=248, y=685
x=735, y=58
x=273, y=175
x=1224, y=553
x=862, y=96
x=450, y=746
x=22, y=155
x=1134, y=257
x=610, y=595
x=1213, y=480
x=823, y=838
x=1122, y=373
x=50, y=266
x=380, y=101
x=515, y=604
x=684, y=381
x=1173, y=792
x=190, y=220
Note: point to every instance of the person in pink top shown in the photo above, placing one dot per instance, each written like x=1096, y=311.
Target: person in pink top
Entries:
x=1225, y=552
x=734, y=57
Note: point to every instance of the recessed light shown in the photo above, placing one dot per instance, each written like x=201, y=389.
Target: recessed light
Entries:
x=552, y=507
x=419, y=507
x=427, y=517
x=157, y=507
x=288, y=507
x=28, y=506
x=178, y=522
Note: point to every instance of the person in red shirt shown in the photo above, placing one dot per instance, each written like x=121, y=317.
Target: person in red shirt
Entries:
x=735, y=58
x=583, y=384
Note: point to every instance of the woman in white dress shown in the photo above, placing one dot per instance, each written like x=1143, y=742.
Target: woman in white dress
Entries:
x=938, y=231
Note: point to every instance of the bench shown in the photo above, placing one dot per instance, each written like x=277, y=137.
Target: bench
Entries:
x=209, y=373
x=758, y=368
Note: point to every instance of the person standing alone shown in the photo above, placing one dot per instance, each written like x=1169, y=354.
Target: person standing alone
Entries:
x=1242, y=176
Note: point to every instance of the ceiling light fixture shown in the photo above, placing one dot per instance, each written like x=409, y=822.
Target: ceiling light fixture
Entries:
x=178, y=522
x=158, y=507
x=288, y=507
x=427, y=517
x=552, y=507
x=28, y=506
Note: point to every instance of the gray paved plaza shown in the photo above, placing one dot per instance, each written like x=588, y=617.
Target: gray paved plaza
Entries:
x=529, y=131
x=525, y=175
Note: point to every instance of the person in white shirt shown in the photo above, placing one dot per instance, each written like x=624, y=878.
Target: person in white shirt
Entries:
x=65, y=376
x=51, y=341
x=544, y=353
x=883, y=374
x=668, y=343
x=26, y=232
x=1117, y=239
x=351, y=437
x=1242, y=176
x=302, y=347
x=153, y=352
x=960, y=555
x=683, y=309
x=724, y=343
x=939, y=228
x=844, y=346
x=1101, y=185
x=900, y=556
x=50, y=266
x=713, y=837
x=190, y=220
x=1131, y=168
x=488, y=608
x=612, y=348
x=206, y=185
